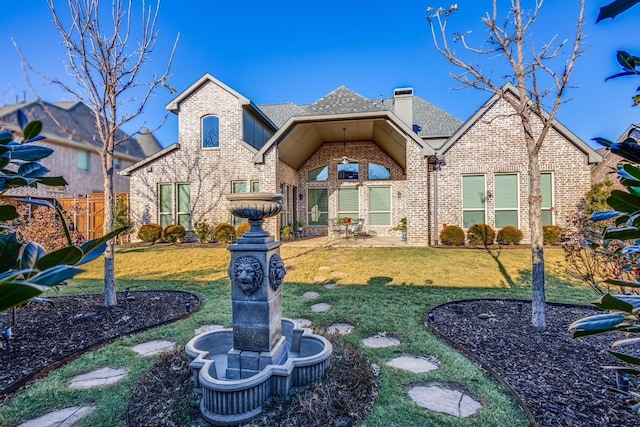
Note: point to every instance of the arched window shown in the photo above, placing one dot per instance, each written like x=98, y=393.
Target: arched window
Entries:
x=210, y=132
x=318, y=174
x=377, y=171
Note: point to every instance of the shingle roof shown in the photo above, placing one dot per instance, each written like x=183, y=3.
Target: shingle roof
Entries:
x=432, y=120
x=69, y=121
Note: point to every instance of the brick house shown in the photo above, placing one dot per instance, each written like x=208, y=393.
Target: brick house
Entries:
x=348, y=156
x=70, y=130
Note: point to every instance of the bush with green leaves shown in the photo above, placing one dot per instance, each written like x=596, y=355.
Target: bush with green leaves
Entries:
x=224, y=233
x=26, y=269
x=173, y=233
x=552, y=234
x=150, y=233
x=452, y=235
x=203, y=231
x=509, y=235
x=481, y=234
x=243, y=228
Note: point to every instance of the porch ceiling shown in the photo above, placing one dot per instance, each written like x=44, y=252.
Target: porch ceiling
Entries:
x=303, y=139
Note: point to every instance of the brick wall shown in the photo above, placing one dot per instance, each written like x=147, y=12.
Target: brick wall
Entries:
x=494, y=144
x=208, y=171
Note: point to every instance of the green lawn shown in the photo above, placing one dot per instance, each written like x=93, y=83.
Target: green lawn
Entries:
x=386, y=290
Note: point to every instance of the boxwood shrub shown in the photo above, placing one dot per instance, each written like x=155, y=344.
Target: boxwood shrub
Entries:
x=452, y=235
x=509, y=235
x=150, y=232
x=552, y=234
x=481, y=234
x=224, y=233
x=173, y=233
x=242, y=228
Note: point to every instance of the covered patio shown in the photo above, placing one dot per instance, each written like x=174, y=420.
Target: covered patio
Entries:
x=364, y=242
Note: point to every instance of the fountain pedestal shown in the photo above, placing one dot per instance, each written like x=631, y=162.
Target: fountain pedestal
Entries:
x=237, y=370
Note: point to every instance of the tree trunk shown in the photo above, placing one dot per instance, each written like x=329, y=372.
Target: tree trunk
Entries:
x=110, y=299
x=538, y=307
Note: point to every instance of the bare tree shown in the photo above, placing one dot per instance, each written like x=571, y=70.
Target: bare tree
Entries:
x=105, y=63
x=541, y=78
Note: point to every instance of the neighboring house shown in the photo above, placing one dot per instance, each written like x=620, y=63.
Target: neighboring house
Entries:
x=608, y=168
x=348, y=156
x=70, y=130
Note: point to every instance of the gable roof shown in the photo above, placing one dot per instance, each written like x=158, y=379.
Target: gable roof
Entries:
x=71, y=123
x=592, y=155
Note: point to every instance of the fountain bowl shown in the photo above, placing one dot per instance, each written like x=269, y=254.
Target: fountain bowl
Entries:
x=255, y=206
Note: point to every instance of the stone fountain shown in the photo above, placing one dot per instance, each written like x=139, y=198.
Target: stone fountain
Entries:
x=264, y=355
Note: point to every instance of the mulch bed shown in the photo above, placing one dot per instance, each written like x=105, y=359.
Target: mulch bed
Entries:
x=45, y=336
x=558, y=378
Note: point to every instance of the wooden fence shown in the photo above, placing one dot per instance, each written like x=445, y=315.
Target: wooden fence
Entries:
x=87, y=213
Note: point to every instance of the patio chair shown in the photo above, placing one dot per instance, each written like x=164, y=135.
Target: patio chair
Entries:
x=356, y=229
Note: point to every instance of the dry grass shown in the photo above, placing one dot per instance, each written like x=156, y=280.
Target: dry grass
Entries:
x=345, y=266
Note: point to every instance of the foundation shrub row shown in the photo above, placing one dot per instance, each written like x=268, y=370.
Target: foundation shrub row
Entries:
x=483, y=234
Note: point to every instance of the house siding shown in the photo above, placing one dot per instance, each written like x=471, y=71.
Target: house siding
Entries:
x=494, y=144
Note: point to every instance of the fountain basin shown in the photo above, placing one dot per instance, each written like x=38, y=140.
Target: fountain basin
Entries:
x=234, y=401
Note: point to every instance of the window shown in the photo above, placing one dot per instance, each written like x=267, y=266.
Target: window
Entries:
x=117, y=163
x=239, y=187
x=318, y=174
x=506, y=200
x=473, y=200
x=83, y=161
x=210, y=132
x=377, y=171
x=348, y=203
x=318, y=206
x=166, y=205
x=286, y=215
x=182, y=213
x=254, y=133
x=184, y=205
x=380, y=206
x=348, y=170
x=255, y=186
x=546, y=184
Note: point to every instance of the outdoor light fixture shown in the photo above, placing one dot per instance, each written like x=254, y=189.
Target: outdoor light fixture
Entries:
x=300, y=196
x=520, y=304
x=432, y=317
x=187, y=306
x=399, y=195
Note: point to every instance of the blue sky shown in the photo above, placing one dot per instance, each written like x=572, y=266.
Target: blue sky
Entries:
x=293, y=51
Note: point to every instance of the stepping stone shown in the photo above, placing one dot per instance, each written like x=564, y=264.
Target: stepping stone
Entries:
x=324, y=268
x=61, y=418
x=444, y=400
x=338, y=274
x=417, y=365
x=319, y=279
x=207, y=328
x=303, y=323
x=331, y=286
x=311, y=295
x=340, y=329
x=380, y=341
x=98, y=378
x=322, y=307
x=152, y=348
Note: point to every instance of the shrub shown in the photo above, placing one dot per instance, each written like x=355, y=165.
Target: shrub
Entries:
x=173, y=233
x=204, y=231
x=41, y=224
x=552, y=234
x=509, y=235
x=481, y=234
x=150, y=233
x=224, y=232
x=242, y=228
x=452, y=235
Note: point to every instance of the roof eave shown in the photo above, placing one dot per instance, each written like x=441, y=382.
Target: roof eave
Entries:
x=127, y=171
x=174, y=105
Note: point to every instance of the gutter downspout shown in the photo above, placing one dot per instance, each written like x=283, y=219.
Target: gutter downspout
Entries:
x=435, y=198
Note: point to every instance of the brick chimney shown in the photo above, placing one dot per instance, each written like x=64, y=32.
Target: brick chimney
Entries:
x=403, y=104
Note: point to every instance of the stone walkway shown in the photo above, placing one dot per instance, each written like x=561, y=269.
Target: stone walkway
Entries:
x=432, y=397
x=102, y=377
